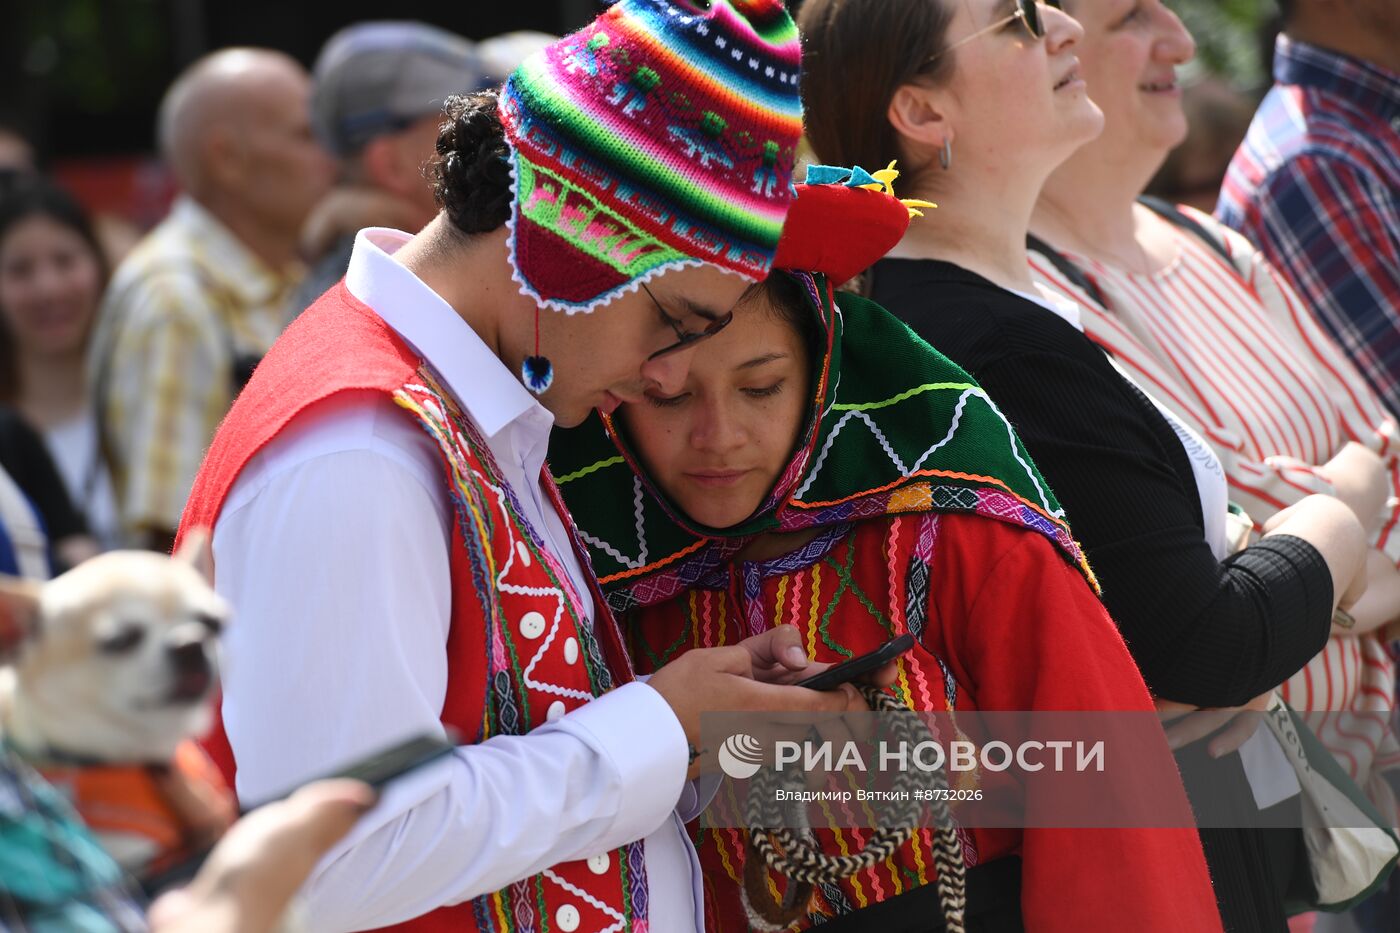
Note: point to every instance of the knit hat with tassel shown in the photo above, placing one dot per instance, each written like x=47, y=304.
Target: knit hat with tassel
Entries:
x=660, y=135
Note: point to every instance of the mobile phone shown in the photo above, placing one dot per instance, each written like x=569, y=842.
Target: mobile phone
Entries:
x=383, y=766
x=376, y=770
x=833, y=677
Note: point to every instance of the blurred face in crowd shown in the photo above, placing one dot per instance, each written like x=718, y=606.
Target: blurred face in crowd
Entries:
x=15, y=152
x=606, y=358
x=718, y=445
x=395, y=162
x=1009, y=97
x=287, y=169
x=1128, y=57
x=50, y=284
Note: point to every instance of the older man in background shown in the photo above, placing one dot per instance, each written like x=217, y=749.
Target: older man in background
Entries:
x=376, y=99
x=204, y=295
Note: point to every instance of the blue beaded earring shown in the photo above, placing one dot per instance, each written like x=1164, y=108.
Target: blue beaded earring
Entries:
x=537, y=371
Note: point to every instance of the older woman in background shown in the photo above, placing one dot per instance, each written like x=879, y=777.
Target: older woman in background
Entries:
x=983, y=100
x=1204, y=324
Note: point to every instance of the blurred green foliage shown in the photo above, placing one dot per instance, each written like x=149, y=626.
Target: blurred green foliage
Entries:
x=1228, y=37
x=93, y=54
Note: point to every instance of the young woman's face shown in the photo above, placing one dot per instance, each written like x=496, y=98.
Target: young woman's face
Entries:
x=50, y=284
x=1016, y=98
x=718, y=445
x=1129, y=55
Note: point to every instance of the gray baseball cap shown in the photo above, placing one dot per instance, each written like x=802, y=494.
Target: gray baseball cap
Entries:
x=378, y=77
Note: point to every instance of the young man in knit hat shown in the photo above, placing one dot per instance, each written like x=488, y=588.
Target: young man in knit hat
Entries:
x=395, y=547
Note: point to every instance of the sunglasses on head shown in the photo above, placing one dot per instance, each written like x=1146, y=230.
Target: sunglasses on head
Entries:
x=685, y=338
x=1027, y=11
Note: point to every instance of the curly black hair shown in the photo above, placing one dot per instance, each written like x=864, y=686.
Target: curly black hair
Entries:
x=471, y=171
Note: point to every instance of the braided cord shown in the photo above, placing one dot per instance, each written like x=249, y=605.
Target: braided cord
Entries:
x=795, y=854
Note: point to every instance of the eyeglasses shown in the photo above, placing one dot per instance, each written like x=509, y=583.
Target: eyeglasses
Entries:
x=685, y=338
x=1027, y=11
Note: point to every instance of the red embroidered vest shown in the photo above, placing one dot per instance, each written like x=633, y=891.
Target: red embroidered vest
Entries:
x=519, y=650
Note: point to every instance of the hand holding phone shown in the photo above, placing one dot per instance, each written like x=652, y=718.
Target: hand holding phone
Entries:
x=846, y=671
x=383, y=766
x=376, y=770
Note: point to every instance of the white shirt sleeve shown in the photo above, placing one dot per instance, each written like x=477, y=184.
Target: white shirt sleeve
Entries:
x=333, y=549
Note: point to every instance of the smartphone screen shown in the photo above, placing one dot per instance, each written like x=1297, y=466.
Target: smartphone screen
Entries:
x=846, y=671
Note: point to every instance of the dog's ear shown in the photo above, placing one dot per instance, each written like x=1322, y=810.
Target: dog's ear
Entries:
x=195, y=549
x=19, y=614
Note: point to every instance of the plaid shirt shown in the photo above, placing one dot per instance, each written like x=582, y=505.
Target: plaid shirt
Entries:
x=184, y=310
x=54, y=877
x=1316, y=184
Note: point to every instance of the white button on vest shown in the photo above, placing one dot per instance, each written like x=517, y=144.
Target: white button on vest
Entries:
x=598, y=864
x=571, y=651
x=523, y=552
x=556, y=709
x=532, y=625
x=567, y=918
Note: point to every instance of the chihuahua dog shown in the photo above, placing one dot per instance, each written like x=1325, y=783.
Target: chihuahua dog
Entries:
x=117, y=674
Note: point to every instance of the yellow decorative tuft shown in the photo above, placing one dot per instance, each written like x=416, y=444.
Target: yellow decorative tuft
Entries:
x=885, y=182
x=887, y=175
x=913, y=203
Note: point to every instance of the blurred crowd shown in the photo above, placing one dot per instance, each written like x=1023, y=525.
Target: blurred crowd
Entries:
x=1255, y=302
x=122, y=362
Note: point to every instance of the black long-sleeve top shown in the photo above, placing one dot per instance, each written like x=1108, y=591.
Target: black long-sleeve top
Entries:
x=1203, y=631
x=27, y=460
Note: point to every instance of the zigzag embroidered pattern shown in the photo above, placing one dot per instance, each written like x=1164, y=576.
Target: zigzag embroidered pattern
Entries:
x=945, y=496
x=435, y=419
x=858, y=411
x=488, y=514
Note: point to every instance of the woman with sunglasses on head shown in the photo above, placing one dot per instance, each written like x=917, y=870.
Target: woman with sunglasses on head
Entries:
x=1200, y=320
x=757, y=496
x=983, y=99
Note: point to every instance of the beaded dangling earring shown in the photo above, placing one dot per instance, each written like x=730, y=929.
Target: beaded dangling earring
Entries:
x=537, y=371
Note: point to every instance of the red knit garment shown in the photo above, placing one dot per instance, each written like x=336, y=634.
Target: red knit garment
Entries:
x=1018, y=628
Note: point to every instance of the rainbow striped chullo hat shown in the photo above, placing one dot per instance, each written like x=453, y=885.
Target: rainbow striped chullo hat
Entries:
x=661, y=135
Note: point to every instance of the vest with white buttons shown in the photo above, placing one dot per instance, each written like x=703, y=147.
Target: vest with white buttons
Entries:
x=520, y=650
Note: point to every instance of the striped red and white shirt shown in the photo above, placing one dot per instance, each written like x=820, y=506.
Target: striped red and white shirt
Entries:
x=1233, y=351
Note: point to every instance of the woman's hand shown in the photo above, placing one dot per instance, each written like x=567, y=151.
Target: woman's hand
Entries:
x=1336, y=533
x=1379, y=607
x=1361, y=481
x=1234, y=725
